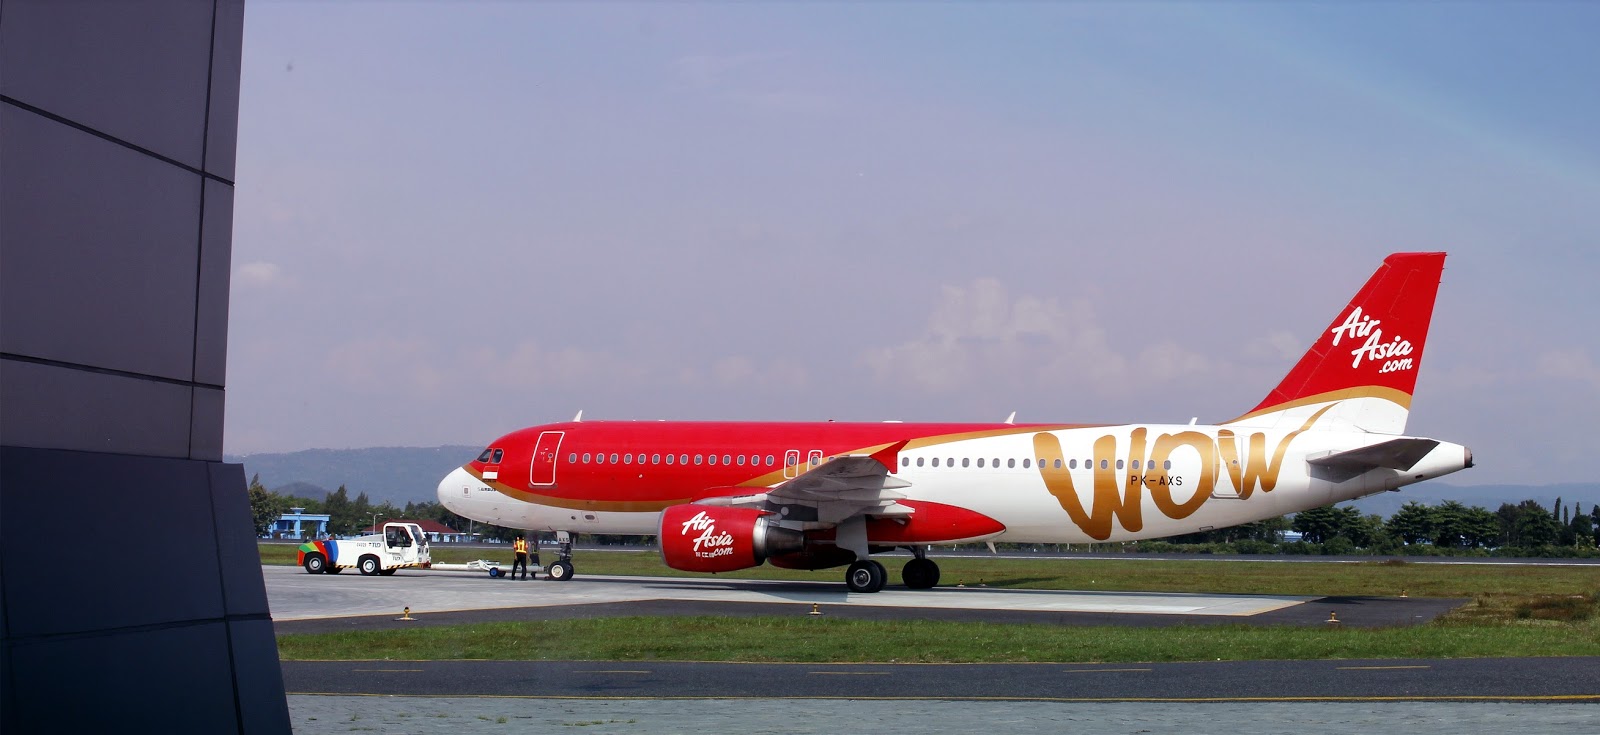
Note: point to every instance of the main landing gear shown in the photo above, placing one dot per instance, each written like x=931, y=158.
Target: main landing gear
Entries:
x=920, y=573
x=561, y=569
x=867, y=575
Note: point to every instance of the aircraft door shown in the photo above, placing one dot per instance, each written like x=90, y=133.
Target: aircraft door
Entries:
x=542, y=470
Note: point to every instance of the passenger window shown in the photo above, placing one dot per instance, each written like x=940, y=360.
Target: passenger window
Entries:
x=1167, y=465
x=1024, y=464
x=1119, y=464
x=966, y=462
x=670, y=458
x=1136, y=464
x=711, y=459
x=770, y=460
x=727, y=459
x=741, y=460
x=698, y=457
x=1011, y=464
x=980, y=463
x=1058, y=464
x=935, y=461
x=613, y=458
x=1072, y=465
x=683, y=459
x=919, y=461
x=655, y=459
x=949, y=461
x=586, y=458
x=627, y=458
x=573, y=457
x=499, y=454
x=1104, y=464
x=905, y=461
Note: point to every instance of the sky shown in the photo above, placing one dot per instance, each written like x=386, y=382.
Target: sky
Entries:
x=453, y=220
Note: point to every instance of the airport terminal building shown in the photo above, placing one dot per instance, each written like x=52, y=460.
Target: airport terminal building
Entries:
x=117, y=140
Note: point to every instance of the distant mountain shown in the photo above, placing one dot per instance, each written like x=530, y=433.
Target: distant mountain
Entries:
x=300, y=490
x=406, y=474
x=397, y=474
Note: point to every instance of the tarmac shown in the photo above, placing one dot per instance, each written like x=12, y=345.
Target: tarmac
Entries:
x=1235, y=697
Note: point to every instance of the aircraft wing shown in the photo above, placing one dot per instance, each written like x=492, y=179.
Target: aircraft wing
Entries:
x=840, y=488
x=1395, y=454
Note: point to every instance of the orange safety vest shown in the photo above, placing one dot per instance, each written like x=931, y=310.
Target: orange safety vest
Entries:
x=521, y=546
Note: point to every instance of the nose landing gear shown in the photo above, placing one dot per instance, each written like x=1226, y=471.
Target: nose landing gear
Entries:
x=562, y=569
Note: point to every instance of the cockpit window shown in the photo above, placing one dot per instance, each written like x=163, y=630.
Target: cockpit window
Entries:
x=485, y=456
x=499, y=454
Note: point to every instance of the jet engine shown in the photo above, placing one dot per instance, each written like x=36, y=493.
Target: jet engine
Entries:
x=707, y=538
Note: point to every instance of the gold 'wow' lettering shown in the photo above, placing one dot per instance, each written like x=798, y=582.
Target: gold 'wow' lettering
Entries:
x=1108, y=501
x=1257, y=471
x=1161, y=490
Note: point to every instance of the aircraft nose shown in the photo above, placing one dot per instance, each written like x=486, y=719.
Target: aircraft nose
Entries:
x=457, y=487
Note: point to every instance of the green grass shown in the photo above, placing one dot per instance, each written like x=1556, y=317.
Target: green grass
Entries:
x=1377, y=578
x=1514, y=611
x=805, y=639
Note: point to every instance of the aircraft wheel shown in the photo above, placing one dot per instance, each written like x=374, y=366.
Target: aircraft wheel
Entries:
x=865, y=576
x=368, y=565
x=920, y=574
x=315, y=564
x=560, y=571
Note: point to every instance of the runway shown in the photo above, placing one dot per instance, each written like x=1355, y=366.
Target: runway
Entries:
x=307, y=603
x=1450, y=680
x=592, y=691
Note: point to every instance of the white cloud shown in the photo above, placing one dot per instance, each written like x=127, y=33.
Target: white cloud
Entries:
x=980, y=333
x=1575, y=365
x=259, y=274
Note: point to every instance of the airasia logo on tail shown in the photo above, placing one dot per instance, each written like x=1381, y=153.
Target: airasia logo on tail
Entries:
x=1393, y=352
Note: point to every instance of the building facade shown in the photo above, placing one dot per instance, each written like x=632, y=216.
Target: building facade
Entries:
x=117, y=139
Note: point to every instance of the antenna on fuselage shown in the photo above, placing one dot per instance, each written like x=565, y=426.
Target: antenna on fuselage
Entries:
x=579, y=417
x=1012, y=418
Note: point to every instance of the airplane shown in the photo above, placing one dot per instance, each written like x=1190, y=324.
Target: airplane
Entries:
x=722, y=496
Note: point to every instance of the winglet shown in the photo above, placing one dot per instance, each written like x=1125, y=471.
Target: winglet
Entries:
x=889, y=456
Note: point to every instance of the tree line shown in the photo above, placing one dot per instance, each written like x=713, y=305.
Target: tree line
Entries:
x=1522, y=529
x=353, y=517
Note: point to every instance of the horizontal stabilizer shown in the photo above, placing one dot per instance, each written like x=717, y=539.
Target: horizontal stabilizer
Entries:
x=1395, y=454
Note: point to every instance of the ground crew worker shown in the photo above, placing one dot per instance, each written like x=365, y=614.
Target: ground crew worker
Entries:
x=533, y=557
x=521, y=547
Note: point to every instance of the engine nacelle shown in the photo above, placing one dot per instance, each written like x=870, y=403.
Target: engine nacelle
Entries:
x=708, y=538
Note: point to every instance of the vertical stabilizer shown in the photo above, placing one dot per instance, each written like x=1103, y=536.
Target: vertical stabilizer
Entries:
x=1363, y=367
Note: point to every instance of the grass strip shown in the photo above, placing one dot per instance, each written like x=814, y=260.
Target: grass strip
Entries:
x=1377, y=578
x=807, y=639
